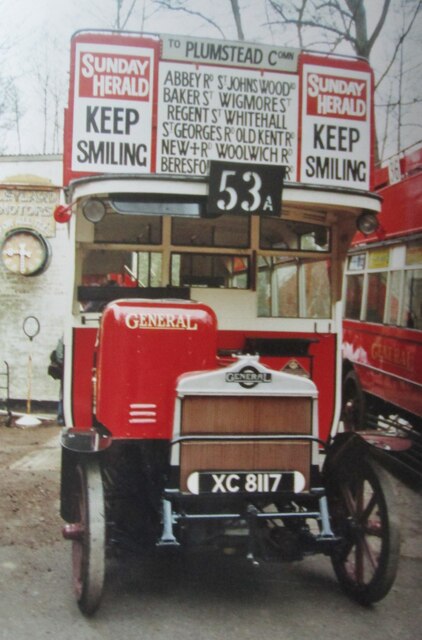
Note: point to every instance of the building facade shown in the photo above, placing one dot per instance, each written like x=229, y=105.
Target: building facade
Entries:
x=33, y=267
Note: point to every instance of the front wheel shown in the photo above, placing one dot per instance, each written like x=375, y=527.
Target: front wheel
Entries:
x=363, y=516
x=88, y=546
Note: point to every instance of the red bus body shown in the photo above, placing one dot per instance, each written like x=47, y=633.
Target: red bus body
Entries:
x=382, y=341
x=214, y=189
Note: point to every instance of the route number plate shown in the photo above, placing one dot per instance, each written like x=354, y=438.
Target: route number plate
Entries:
x=238, y=188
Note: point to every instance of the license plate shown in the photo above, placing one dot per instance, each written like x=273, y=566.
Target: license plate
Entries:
x=245, y=482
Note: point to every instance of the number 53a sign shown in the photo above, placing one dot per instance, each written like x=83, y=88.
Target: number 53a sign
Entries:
x=245, y=189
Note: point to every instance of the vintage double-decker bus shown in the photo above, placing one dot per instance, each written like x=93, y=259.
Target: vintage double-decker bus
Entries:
x=213, y=189
x=382, y=344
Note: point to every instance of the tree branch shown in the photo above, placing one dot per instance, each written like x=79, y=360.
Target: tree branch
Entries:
x=237, y=19
x=166, y=4
x=312, y=24
x=379, y=25
x=129, y=13
x=398, y=45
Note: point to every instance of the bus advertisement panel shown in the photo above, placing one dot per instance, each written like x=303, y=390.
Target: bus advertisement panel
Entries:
x=171, y=105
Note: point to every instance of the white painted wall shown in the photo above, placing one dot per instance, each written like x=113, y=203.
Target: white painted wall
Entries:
x=42, y=296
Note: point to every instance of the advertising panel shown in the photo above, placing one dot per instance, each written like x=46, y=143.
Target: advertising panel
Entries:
x=170, y=105
x=113, y=108
x=336, y=132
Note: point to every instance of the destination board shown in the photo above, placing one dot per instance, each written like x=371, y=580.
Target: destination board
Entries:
x=171, y=105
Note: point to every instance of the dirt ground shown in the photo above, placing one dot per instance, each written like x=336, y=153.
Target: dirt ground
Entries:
x=29, y=497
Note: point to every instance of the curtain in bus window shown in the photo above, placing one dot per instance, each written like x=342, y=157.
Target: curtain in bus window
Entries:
x=286, y=301
x=277, y=286
x=317, y=289
x=149, y=269
x=412, y=312
x=264, y=286
x=377, y=285
x=354, y=288
x=394, y=298
x=293, y=288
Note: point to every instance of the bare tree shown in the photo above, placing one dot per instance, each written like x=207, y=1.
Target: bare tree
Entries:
x=402, y=78
x=10, y=112
x=6, y=122
x=237, y=19
x=121, y=18
x=180, y=5
x=331, y=23
x=16, y=113
x=342, y=25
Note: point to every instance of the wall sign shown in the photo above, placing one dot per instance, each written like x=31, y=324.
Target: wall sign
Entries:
x=30, y=208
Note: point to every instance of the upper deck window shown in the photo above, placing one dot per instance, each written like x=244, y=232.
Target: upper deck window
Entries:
x=131, y=230
x=224, y=231
x=289, y=235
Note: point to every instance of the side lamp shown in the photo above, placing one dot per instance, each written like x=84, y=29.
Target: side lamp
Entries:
x=367, y=223
x=93, y=209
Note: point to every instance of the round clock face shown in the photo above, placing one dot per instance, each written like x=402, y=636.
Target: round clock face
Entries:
x=25, y=252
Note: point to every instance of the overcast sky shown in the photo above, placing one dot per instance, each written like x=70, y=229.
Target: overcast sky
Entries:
x=38, y=32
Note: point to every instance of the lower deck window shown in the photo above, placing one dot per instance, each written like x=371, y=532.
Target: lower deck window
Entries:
x=388, y=288
x=354, y=296
x=293, y=288
x=215, y=271
x=412, y=312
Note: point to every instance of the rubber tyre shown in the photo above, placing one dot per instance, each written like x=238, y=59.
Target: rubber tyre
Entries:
x=364, y=517
x=88, y=551
x=353, y=403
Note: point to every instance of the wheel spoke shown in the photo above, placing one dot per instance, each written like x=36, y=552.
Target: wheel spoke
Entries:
x=366, y=561
x=360, y=565
x=369, y=508
x=370, y=553
x=349, y=500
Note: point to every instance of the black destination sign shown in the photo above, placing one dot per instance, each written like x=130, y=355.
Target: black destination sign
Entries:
x=239, y=188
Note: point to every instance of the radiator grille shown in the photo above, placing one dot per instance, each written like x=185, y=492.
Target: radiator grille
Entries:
x=246, y=416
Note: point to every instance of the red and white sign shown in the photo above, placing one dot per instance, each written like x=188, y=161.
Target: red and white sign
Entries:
x=170, y=105
x=113, y=108
x=336, y=131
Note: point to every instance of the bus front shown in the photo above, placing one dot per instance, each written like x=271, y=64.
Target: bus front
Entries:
x=210, y=209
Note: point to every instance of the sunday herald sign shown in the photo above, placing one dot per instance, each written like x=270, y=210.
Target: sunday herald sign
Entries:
x=169, y=105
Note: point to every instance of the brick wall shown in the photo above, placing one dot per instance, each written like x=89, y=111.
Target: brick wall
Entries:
x=29, y=190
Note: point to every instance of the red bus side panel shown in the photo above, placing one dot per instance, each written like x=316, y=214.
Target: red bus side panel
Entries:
x=388, y=361
x=83, y=362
